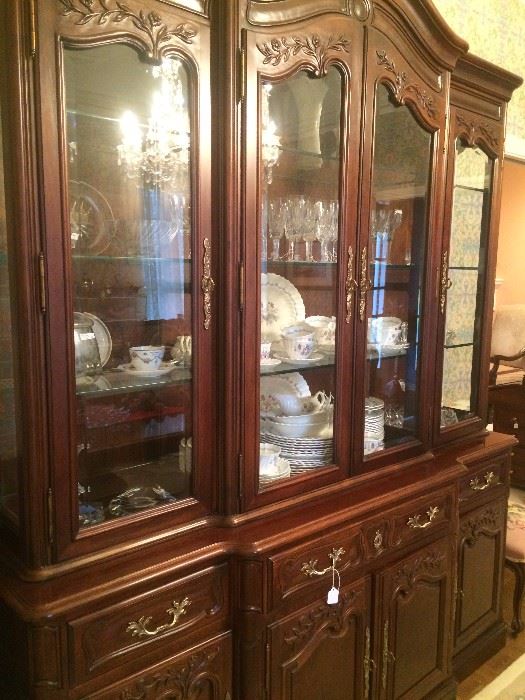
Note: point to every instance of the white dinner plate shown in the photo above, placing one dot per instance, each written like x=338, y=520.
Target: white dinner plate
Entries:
x=103, y=338
x=281, y=305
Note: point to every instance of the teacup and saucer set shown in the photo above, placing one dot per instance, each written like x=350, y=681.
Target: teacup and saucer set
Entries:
x=147, y=361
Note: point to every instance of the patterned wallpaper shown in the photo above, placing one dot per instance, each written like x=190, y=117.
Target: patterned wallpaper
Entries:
x=495, y=30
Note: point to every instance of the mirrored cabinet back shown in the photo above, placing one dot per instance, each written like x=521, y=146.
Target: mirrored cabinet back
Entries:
x=247, y=254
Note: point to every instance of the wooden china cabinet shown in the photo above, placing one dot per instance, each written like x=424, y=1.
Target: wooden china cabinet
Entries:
x=247, y=251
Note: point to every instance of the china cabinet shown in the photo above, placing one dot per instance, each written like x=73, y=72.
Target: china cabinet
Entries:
x=246, y=263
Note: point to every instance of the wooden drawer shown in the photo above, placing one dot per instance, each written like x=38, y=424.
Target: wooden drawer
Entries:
x=308, y=564
x=292, y=570
x=423, y=515
x=151, y=626
x=488, y=478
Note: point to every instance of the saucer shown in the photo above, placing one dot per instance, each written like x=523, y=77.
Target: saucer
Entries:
x=314, y=357
x=270, y=362
x=165, y=368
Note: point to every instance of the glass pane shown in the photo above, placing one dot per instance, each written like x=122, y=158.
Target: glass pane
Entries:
x=128, y=135
x=396, y=263
x=299, y=142
x=9, y=456
x=464, y=310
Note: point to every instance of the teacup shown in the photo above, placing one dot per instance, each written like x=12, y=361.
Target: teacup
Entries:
x=384, y=330
x=324, y=329
x=146, y=357
x=298, y=344
x=268, y=458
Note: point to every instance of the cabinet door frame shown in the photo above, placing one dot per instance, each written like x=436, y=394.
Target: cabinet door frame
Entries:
x=303, y=630
x=480, y=131
x=422, y=87
x=283, y=63
x=432, y=565
x=143, y=28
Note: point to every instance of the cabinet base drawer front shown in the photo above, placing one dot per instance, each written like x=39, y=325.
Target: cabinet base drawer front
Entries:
x=301, y=567
x=489, y=478
x=150, y=626
x=203, y=672
x=422, y=516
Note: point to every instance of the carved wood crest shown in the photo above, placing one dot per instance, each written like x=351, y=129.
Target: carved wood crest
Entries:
x=282, y=11
x=280, y=50
x=474, y=130
x=488, y=522
x=402, y=86
x=333, y=617
x=430, y=564
x=155, y=31
x=187, y=679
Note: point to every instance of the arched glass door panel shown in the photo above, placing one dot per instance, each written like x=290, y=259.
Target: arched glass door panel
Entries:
x=464, y=285
x=299, y=244
x=129, y=144
x=393, y=268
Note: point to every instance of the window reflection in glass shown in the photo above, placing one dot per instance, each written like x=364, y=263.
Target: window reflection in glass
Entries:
x=395, y=262
x=300, y=121
x=466, y=271
x=129, y=150
x=9, y=457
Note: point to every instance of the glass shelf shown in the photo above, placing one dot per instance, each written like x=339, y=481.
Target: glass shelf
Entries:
x=120, y=382
x=129, y=258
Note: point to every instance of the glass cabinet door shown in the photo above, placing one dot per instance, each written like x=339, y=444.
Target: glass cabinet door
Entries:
x=9, y=455
x=299, y=146
x=463, y=282
x=130, y=145
x=392, y=265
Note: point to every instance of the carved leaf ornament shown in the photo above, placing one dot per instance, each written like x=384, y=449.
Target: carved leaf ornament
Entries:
x=475, y=129
x=101, y=12
x=402, y=86
x=281, y=50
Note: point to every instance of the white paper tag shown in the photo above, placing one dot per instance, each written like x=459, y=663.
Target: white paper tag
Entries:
x=333, y=596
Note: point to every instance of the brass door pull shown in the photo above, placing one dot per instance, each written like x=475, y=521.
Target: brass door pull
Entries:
x=364, y=283
x=350, y=284
x=139, y=628
x=446, y=282
x=207, y=283
x=415, y=521
x=387, y=656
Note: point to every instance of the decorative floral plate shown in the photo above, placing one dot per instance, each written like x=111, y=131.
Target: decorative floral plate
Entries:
x=281, y=305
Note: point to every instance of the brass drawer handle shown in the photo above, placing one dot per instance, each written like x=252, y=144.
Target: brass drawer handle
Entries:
x=415, y=521
x=138, y=629
x=490, y=479
x=309, y=567
x=207, y=283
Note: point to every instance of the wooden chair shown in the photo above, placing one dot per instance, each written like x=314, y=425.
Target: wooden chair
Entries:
x=515, y=558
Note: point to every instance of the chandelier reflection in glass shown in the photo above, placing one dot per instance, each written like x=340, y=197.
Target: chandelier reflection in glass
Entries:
x=270, y=141
x=159, y=153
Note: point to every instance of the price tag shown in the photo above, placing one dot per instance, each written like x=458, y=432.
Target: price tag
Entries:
x=333, y=596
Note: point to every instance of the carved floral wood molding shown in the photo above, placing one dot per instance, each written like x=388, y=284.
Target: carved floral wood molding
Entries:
x=430, y=564
x=473, y=130
x=488, y=522
x=187, y=680
x=402, y=86
x=280, y=50
x=101, y=12
x=335, y=615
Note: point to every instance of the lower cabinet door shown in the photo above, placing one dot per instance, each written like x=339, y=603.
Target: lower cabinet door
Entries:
x=202, y=673
x=480, y=571
x=413, y=634
x=322, y=652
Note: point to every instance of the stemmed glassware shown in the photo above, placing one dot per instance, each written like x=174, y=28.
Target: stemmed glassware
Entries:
x=383, y=223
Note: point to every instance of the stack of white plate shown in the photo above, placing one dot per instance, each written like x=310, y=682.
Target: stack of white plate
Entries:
x=374, y=418
x=304, y=453
x=374, y=424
